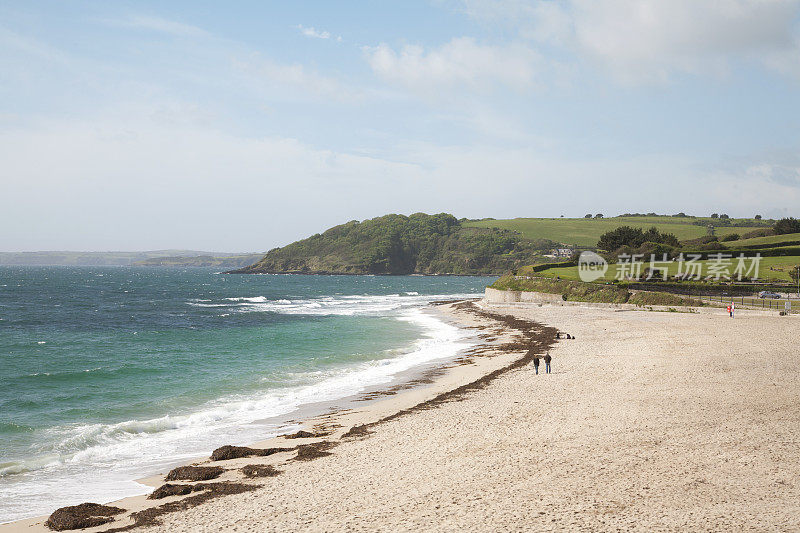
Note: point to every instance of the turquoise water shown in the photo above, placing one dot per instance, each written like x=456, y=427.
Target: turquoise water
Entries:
x=107, y=374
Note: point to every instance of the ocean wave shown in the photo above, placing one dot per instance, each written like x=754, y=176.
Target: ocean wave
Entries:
x=10, y=428
x=253, y=299
x=150, y=442
x=64, y=457
x=22, y=466
x=345, y=305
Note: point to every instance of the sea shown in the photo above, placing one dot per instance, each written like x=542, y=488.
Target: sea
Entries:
x=109, y=374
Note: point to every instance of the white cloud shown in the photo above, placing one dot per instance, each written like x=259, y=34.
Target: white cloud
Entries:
x=161, y=25
x=269, y=74
x=137, y=178
x=316, y=34
x=652, y=40
x=462, y=61
x=785, y=175
x=32, y=47
x=128, y=178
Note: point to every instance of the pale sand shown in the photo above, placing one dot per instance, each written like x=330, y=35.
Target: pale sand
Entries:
x=650, y=421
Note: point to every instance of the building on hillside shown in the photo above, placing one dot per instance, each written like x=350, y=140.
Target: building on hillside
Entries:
x=561, y=253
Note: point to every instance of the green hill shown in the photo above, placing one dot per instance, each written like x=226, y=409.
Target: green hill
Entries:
x=69, y=258
x=398, y=244
x=228, y=261
x=586, y=231
x=772, y=241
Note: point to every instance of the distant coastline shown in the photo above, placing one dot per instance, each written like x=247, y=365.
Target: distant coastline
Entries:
x=120, y=258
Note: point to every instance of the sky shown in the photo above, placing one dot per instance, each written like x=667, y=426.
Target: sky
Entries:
x=242, y=126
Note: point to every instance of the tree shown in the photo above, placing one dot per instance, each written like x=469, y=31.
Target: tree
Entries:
x=787, y=225
x=724, y=216
x=634, y=237
x=758, y=217
x=588, y=216
x=714, y=215
x=795, y=273
x=599, y=215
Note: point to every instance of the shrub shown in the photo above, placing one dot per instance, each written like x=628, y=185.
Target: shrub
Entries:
x=659, y=298
x=787, y=225
x=634, y=237
x=574, y=291
x=763, y=232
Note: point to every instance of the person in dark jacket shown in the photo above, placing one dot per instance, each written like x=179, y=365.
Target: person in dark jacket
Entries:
x=547, y=359
x=536, y=364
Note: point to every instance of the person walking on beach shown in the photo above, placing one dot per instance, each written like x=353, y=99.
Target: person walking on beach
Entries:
x=536, y=364
x=547, y=359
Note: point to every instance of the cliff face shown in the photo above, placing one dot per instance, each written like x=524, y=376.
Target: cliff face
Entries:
x=398, y=244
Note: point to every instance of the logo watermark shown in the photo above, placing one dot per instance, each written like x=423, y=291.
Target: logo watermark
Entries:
x=687, y=267
x=591, y=266
x=690, y=267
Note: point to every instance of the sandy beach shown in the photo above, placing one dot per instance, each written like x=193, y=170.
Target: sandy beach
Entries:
x=649, y=421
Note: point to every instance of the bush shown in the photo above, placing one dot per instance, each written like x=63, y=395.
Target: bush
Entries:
x=574, y=291
x=659, y=298
x=705, y=239
x=764, y=232
x=577, y=291
x=731, y=237
x=634, y=237
x=786, y=225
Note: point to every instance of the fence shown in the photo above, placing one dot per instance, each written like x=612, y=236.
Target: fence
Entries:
x=758, y=303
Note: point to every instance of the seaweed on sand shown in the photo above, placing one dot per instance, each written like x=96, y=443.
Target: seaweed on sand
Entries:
x=357, y=431
x=171, y=489
x=150, y=516
x=302, y=434
x=532, y=338
x=194, y=473
x=260, y=471
x=309, y=452
x=81, y=516
x=223, y=453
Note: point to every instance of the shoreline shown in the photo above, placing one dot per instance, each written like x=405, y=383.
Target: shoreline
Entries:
x=649, y=421
x=408, y=389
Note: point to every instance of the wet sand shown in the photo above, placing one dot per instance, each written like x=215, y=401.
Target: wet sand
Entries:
x=649, y=421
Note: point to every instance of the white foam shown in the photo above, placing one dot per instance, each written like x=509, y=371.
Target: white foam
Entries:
x=349, y=305
x=124, y=451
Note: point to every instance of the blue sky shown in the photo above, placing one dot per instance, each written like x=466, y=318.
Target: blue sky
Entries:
x=245, y=125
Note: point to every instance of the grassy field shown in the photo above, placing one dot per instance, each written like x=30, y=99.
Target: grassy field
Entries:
x=770, y=268
x=586, y=232
x=771, y=240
